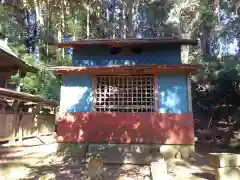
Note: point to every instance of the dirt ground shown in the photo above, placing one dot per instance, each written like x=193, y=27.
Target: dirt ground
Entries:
x=37, y=159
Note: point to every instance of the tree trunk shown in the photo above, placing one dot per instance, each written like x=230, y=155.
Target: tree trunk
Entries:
x=129, y=18
x=88, y=21
x=124, y=7
x=60, y=35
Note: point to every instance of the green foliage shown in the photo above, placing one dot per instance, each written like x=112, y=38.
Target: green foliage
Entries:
x=44, y=83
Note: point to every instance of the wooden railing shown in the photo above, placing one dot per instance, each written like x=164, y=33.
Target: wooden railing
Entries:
x=25, y=125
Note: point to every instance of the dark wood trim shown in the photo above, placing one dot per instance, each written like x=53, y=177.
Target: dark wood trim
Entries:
x=127, y=42
x=157, y=97
x=94, y=93
x=17, y=62
x=9, y=94
x=4, y=68
x=147, y=69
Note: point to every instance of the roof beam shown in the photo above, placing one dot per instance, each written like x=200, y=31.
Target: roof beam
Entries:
x=7, y=93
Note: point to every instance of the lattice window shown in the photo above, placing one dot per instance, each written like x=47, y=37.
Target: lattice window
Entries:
x=124, y=93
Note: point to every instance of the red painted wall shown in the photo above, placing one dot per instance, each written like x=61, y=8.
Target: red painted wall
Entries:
x=139, y=128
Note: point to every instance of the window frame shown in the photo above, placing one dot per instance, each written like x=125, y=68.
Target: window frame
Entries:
x=155, y=89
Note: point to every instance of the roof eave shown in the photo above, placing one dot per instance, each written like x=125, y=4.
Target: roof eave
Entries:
x=126, y=42
x=7, y=93
x=21, y=64
x=151, y=69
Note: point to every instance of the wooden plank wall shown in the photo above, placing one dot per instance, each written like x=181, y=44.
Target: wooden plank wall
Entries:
x=26, y=126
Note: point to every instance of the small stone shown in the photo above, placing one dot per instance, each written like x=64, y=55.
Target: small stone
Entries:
x=147, y=178
x=192, y=160
x=145, y=171
x=178, y=155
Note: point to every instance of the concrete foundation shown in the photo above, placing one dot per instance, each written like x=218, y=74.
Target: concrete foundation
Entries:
x=126, y=153
x=139, y=154
x=72, y=150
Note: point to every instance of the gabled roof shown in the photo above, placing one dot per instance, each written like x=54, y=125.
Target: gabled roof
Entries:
x=9, y=60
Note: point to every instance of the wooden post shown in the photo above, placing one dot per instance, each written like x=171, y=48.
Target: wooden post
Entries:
x=55, y=111
x=15, y=122
x=35, y=115
x=6, y=83
x=19, y=81
x=20, y=115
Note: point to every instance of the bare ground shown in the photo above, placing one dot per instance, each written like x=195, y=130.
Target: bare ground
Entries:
x=37, y=159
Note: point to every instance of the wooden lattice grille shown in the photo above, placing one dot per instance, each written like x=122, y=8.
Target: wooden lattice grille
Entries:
x=124, y=93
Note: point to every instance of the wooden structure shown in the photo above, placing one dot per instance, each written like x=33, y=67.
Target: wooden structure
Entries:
x=134, y=91
x=16, y=124
x=16, y=121
x=10, y=64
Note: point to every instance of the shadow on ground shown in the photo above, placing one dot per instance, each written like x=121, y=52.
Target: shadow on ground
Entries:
x=67, y=161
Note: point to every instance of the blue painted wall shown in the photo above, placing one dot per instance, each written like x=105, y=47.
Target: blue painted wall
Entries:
x=173, y=94
x=100, y=57
x=76, y=94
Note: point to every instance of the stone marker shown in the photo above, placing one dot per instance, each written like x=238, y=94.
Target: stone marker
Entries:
x=159, y=170
x=224, y=159
x=227, y=173
x=226, y=165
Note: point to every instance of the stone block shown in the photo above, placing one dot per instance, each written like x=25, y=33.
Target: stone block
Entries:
x=224, y=159
x=123, y=153
x=227, y=173
x=139, y=153
x=170, y=151
x=72, y=150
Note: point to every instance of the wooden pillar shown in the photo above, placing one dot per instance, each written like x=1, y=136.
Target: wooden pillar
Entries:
x=16, y=120
x=4, y=76
x=6, y=83
x=56, y=111
x=19, y=127
x=19, y=81
x=35, y=116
